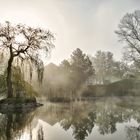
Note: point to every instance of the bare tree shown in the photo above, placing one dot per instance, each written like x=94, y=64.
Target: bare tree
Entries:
x=129, y=33
x=24, y=44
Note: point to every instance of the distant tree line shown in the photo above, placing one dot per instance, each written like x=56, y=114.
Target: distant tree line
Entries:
x=68, y=78
x=72, y=76
x=108, y=70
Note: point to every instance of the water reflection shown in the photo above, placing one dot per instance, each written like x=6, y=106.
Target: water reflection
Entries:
x=98, y=119
x=82, y=127
x=81, y=117
x=133, y=133
x=40, y=133
x=12, y=125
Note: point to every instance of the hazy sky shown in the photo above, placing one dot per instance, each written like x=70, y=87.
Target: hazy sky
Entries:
x=85, y=24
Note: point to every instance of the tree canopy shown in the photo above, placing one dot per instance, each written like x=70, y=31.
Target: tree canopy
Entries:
x=129, y=33
x=24, y=44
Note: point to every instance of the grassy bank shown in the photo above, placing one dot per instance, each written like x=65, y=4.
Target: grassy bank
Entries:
x=126, y=87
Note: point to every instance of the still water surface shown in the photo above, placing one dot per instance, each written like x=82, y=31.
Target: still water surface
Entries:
x=100, y=119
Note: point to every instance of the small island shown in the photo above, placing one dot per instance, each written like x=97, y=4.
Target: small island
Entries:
x=20, y=46
x=14, y=105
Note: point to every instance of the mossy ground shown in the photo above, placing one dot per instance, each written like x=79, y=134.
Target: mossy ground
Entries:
x=18, y=104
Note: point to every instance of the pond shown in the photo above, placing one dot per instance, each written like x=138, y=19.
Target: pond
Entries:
x=98, y=119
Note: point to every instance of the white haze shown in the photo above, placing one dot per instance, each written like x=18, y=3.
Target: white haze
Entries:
x=85, y=24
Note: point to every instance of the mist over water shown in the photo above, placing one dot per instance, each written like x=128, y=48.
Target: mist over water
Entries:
x=100, y=119
x=89, y=90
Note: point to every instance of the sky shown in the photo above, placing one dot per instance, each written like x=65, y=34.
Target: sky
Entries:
x=85, y=24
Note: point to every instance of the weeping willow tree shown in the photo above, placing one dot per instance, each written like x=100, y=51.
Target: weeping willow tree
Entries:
x=24, y=45
x=21, y=88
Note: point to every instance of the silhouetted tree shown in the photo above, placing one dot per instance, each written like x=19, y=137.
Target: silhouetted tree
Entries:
x=129, y=33
x=24, y=44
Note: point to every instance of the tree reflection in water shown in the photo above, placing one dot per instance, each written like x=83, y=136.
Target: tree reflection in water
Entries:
x=82, y=127
x=12, y=125
x=40, y=133
x=133, y=133
x=80, y=117
x=105, y=115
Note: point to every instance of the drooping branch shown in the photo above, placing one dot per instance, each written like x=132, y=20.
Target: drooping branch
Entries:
x=24, y=43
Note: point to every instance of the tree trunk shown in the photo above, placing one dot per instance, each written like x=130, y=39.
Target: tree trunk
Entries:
x=9, y=126
x=9, y=78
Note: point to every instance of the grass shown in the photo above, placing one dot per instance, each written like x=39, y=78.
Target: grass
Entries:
x=124, y=87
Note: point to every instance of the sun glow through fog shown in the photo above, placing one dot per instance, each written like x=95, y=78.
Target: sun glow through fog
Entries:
x=76, y=24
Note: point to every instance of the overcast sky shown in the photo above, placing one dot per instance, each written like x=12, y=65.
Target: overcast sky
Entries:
x=85, y=24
